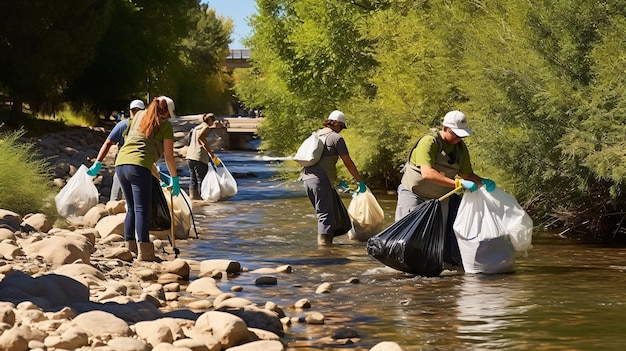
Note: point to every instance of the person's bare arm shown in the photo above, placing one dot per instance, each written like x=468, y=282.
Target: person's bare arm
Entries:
x=104, y=150
x=347, y=161
x=170, y=161
x=432, y=175
x=202, y=140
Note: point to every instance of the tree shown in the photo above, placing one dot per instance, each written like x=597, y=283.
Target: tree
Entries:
x=308, y=58
x=205, y=83
x=540, y=81
x=139, y=55
x=44, y=46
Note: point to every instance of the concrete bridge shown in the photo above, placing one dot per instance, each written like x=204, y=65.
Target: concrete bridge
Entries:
x=228, y=133
x=238, y=58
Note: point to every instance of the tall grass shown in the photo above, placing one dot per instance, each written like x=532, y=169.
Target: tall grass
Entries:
x=74, y=118
x=25, y=185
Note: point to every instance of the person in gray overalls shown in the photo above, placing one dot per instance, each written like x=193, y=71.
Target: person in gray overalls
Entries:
x=319, y=179
x=438, y=163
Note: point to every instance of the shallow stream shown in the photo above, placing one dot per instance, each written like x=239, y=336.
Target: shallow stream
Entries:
x=563, y=296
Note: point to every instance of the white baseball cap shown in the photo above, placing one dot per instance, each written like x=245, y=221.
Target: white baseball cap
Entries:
x=339, y=117
x=456, y=121
x=137, y=104
x=170, y=105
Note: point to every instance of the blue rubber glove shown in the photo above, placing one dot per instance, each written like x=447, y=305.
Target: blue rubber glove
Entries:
x=175, y=184
x=362, y=187
x=489, y=184
x=94, y=169
x=164, y=179
x=343, y=186
x=469, y=185
x=216, y=161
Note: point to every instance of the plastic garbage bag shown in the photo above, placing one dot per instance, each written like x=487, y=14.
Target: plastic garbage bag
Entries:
x=228, y=184
x=341, y=221
x=210, y=189
x=414, y=244
x=490, y=227
x=78, y=196
x=367, y=216
x=451, y=252
x=159, y=217
x=182, y=213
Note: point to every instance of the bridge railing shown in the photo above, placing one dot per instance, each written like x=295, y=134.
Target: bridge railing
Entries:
x=239, y=54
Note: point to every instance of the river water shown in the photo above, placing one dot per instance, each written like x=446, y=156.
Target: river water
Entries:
x=563, y=296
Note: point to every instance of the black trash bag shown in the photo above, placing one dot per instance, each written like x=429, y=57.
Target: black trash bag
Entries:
x=451, y=252
x=341, y=220
x=159, y=217
x=414, y=244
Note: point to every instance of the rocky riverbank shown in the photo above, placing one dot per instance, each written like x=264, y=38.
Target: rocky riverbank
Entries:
x=74, y=286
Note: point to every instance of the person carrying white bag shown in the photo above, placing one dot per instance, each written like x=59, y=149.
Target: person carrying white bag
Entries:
x=78, y=196
x=490, y=227
x=218, y=184
x=366, y=214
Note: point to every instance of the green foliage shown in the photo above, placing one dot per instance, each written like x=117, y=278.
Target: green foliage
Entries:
x=24, y=179
x=540, y=82
x=100, y=54
x=307, y=69
x=204, y=52
x=44, y=45
x=73, y=118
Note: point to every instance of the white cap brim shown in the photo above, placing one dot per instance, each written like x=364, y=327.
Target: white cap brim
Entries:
x=461, y=133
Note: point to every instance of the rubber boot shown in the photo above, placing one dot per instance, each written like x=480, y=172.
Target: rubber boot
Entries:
x=324, y=239
x=146, y=252
x=195, y=194
x=132, y=246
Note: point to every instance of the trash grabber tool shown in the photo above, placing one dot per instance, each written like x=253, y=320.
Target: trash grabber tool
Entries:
x=173, y=237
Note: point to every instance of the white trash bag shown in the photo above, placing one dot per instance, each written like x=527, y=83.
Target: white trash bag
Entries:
x=218, y=184
x=182, y=213
x=210, y=187
x=228, y=184
x=489, y=228
x=78, y=196
x=367, y=216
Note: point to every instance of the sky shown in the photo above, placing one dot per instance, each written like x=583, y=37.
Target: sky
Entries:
x=240, y=11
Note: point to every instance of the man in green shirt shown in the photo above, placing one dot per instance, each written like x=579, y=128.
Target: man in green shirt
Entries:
x=437, y=164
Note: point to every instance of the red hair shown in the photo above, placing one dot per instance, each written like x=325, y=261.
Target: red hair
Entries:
x=154, y=117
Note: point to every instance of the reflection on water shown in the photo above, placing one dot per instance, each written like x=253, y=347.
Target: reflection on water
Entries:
x=562, y=297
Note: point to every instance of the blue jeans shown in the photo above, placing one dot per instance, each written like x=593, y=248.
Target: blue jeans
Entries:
x=136, y=183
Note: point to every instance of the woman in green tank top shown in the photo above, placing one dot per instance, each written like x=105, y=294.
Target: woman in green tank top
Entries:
x=149, y=136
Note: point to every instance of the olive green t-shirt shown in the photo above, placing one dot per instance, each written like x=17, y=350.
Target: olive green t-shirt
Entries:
x=137, y=150
x=426, y=151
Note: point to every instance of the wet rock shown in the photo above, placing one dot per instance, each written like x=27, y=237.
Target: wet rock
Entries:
x=386, y=346
x=303, y=303
x=314, y=318
x=345, y=333
x=266, y=280
x=324, y=288
x=220, y=265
